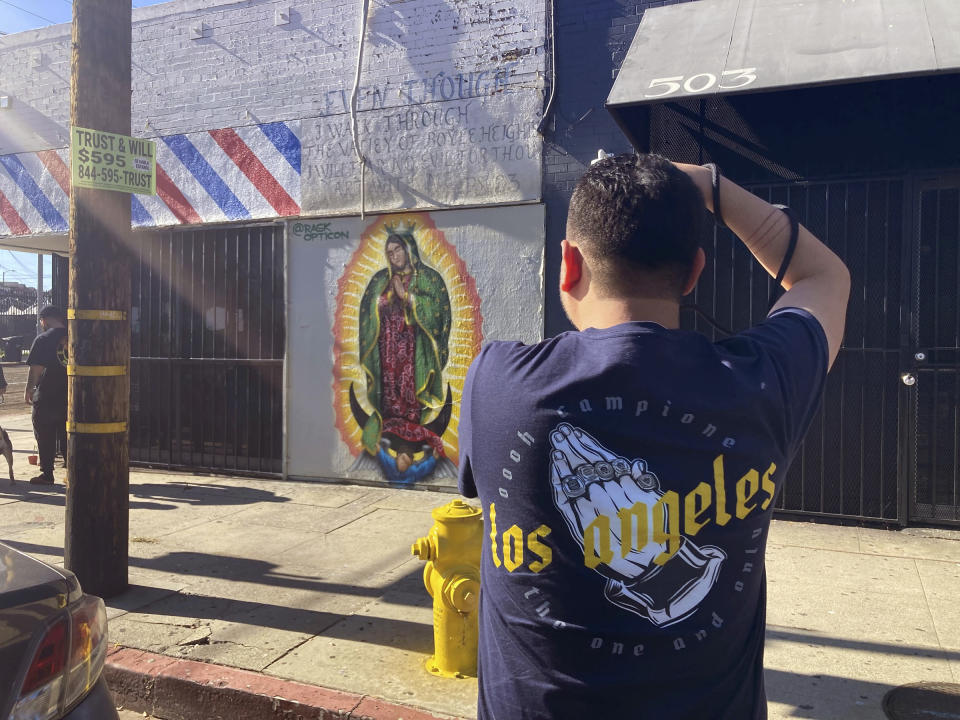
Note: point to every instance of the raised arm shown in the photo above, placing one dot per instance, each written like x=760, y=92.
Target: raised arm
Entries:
x=817, y=280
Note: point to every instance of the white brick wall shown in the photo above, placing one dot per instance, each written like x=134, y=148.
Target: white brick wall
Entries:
x=35, y=73
x=485, y=55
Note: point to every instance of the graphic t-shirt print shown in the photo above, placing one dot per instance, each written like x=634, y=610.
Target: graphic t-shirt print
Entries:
x=617, y=512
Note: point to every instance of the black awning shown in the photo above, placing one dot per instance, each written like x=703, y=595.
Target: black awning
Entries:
x=712, y=47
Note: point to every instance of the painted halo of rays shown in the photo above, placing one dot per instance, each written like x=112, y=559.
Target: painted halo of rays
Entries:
x=466, y=322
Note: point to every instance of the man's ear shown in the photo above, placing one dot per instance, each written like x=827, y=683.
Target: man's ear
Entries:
x=699, y=260
x=571, y=266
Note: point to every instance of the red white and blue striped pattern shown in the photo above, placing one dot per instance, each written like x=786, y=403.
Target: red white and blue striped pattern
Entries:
x=34, y=192
x=221, y=175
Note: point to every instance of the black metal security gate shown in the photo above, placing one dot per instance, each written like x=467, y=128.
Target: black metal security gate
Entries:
x=885, y=444
x=207, y=346
x=849, y=464
x=860, y=165
x=933, y=372
x=850, y=461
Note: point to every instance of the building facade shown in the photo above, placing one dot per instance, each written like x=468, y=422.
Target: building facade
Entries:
x=264, y=286
x=272, y=329
x=860, y=149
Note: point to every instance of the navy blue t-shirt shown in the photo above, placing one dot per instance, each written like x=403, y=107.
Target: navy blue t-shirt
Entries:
x=49, y=350
x=627, y=478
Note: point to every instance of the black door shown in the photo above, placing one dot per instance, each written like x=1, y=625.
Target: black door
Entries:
x=932, y=365
x=207, y=346
x=851, y=464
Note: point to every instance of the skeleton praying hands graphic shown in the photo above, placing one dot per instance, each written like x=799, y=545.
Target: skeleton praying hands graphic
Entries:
x=609, y=503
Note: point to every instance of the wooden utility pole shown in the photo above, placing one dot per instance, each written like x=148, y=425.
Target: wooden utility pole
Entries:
x=97, y=521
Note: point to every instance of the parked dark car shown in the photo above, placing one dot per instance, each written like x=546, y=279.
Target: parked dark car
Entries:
x=53, y=641
x=11, y=348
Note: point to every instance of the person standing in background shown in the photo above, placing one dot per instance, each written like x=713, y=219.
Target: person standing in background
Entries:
x=46, y=389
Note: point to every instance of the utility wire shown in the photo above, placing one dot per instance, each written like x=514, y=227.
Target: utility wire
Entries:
x=7, y=2
x=354, y=126
x=553, y=67
x=15, y=273
x=18, y=260
x=25, y=270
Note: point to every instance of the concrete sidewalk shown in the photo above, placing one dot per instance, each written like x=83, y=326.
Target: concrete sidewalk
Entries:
x=315, y=583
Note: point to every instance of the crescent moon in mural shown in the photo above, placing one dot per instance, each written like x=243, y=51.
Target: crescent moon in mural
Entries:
x=408, y=324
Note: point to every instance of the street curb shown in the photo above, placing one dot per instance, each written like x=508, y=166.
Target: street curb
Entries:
x=179, y=689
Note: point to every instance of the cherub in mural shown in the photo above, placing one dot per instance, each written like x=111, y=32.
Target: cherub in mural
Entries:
x=404, y=333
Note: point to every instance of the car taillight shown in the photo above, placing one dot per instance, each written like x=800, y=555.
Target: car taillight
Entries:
x=40, y=696
x=88, y=648
x=67, y=663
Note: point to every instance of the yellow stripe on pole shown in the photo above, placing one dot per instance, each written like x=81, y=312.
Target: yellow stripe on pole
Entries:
x=75, y=314
x=97, y=370
x=96, y=428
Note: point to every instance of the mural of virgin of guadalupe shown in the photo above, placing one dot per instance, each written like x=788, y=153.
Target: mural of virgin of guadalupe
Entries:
x=404, y=332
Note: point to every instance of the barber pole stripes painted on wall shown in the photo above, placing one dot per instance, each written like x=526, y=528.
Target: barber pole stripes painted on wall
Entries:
x=230, y=174
x=32, y=195
x=224, y=175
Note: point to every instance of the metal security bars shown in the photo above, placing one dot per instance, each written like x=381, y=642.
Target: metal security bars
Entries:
x=848, y=465
x=935, y=375
x=59, y=280
x=885, y=445
x=207, y=345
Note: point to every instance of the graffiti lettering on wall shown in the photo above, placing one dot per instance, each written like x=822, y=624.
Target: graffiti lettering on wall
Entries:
x=389, y=134
x=407, y=326
x=438, y=87
x=466, y=151
x=311, y=231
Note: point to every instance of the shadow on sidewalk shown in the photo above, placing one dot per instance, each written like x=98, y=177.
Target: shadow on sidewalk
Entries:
x=175, y=494
x=861, y=645
x=57, y=495
x=406, y=590
x=205, y=494
x=390, y=632
x=222, y=567
x=821, y=697
x=262, y=572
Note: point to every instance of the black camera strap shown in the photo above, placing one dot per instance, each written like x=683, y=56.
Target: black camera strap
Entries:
x=715, y=186
x=777, y=290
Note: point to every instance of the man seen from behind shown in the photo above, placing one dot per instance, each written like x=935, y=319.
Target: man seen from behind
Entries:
x=628, y=470
x=46, y=390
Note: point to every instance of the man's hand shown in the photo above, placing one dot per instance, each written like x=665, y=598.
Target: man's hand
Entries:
x=33, y=377
x=701, y=178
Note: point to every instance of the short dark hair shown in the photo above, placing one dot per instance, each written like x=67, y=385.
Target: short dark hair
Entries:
x=52, y=311
x=638, y=219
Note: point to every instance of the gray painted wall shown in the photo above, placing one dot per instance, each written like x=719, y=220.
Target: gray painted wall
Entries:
x=502, y=254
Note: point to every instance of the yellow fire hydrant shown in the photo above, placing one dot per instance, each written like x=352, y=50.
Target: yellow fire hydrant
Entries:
x=452, y=577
